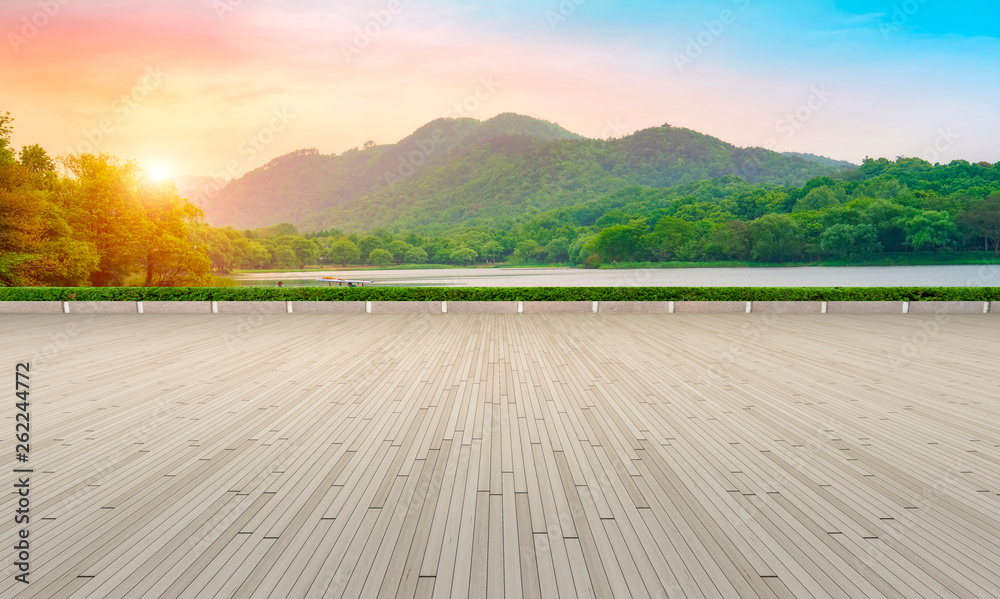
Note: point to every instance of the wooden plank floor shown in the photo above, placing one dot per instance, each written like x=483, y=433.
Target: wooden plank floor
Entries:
x=527, y=455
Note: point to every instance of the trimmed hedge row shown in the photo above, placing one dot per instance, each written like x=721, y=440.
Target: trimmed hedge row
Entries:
x=605, y=294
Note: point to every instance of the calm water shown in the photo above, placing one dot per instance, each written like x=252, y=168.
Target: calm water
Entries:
x=987, y=275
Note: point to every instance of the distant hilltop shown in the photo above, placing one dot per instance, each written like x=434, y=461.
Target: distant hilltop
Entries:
x=452, y=169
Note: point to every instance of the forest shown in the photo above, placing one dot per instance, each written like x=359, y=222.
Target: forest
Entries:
x=97, y=220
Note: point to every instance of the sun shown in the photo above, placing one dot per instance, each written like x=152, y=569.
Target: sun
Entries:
x=158, y=172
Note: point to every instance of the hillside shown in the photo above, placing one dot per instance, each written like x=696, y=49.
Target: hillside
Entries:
x=831, y=162
x=454, y=170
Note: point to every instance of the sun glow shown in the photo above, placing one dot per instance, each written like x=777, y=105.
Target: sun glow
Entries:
x=158, y=172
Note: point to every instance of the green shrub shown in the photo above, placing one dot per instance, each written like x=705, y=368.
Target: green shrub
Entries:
x=501, y=293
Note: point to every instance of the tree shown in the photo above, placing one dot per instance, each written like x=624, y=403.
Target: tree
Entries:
x=284, y=257
x=465, y=255
x=983, y=219
x=582, y=247
x=668, y=237
x=101, y=204
x=367, y=244
x=528, y=249
x=620, y=243
x=851, y=241
x=776, y=238
x=817, y=199
x=343, y=252
x=415, y=255
x=380, y=256
x=169, y=257
x=398, y=250
x=306, y=250
x=929, y=230
x=557, y=250
x=257, y=256
x=6, y=153
x=492, y=250
x=369, y=144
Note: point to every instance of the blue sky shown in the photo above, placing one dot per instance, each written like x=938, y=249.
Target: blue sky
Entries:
x=845, y=79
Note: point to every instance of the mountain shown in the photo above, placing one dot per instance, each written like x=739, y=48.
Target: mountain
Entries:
x=454, y=170
x=830, y=162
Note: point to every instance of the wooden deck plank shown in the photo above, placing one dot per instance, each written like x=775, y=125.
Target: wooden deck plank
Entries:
x=510, y=455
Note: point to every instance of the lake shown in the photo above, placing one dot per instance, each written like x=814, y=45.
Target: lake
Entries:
x=979, y=275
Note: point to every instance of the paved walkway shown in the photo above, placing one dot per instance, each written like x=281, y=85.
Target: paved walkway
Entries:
x=527, y=455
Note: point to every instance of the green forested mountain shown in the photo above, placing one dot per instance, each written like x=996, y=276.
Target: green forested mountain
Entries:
x=458, y=170
x=838, y=164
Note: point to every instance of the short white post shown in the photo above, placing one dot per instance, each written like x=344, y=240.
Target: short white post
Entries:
x=288, y=306
x=65, y=307
x=520, y=307
x=444, y=307
x=138, y=306
x=368, y=307
x=215, y=307
x=823, y=309
x=749, y=307
x=595, y=307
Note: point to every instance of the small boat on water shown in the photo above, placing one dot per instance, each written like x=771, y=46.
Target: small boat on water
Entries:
x=329, y=281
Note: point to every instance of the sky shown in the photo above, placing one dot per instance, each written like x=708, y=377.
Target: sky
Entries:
x=220, y=87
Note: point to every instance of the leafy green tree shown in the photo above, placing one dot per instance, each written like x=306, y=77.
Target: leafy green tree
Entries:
x=464, y=255
x=398, y=250
x=620, y=243
x=257, y=256
x=306, y=250
x=817, y=199
x=415, y=255
x=343, y=252
x=776, y=238
x=851, y=241
x=102, y=203
x=528, y=249
x=380, y=256
x=169, y=257
x=367, y=244
x=6, y=152
x=929, y=230
x=983, y=220
x=557, y=250
x=582, y=247
x=492, y=250
x=668, y=237
x=442, y=256
x=284, y=257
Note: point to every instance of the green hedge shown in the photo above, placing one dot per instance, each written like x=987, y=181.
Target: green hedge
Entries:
x=759, y=294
